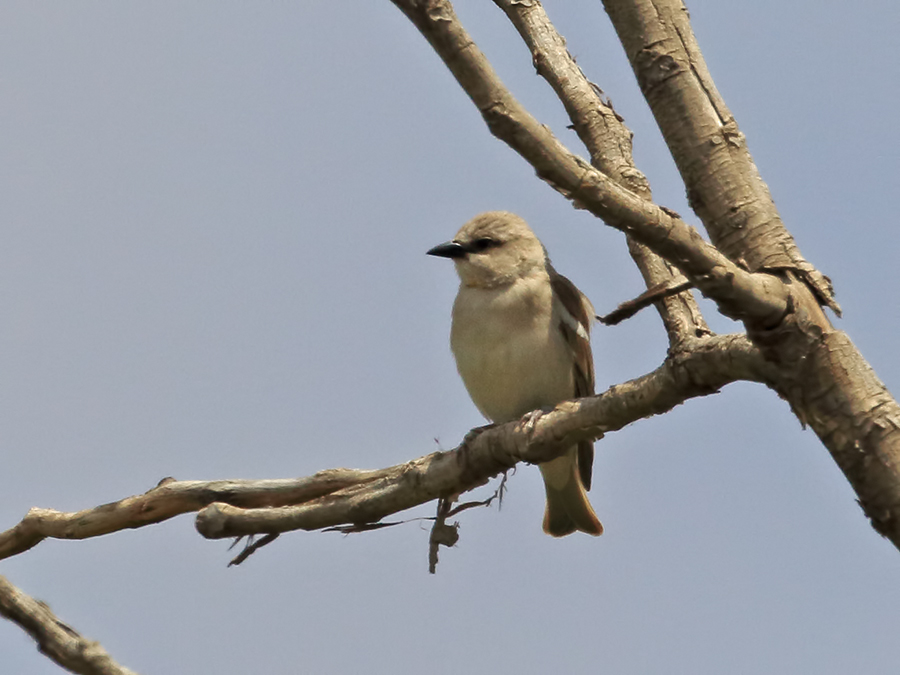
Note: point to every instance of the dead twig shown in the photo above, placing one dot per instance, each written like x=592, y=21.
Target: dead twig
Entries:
x=59, y=641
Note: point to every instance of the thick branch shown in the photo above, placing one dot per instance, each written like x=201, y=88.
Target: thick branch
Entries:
x=759, y=299
x=723, y=184
x=831, y=387
x=824, y=377
x=834, y=389
x=607, y=139
x=713, y=363
x=58, y=641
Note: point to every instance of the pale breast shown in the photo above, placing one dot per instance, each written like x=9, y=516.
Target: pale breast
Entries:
x=509, y=350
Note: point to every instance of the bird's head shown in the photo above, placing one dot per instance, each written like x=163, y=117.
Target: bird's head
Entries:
x=493, y=249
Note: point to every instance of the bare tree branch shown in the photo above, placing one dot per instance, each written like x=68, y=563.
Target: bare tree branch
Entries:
x=607, y=139
x=723, y=184
x=753, y=271
x=824, y=377
x=232, y=508
x=59, y=641
x=169, y=499
x=759, y=299
x=828, y=383
x=537, y=437
x=652, y=295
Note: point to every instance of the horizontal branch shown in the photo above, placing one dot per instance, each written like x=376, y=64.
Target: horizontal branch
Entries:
x=537, y=437
x=59, y=641
x=169, y=499
x=350, y=496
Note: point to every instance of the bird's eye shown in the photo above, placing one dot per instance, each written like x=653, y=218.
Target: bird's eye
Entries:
x=481, y=244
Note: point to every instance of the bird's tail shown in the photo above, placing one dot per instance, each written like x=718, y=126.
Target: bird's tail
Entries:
x=568, y=508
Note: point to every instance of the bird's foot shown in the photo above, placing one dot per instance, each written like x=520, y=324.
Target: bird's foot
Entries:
x=528, y=420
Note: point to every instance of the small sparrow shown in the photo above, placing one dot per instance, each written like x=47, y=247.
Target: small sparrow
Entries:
x=520, y=336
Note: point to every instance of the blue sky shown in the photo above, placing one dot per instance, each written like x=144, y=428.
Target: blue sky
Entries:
x=215, y=218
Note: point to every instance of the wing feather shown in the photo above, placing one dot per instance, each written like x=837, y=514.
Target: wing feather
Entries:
x=575, y=324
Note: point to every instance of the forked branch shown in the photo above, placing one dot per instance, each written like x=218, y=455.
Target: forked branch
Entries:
x=761, y=300
x=351, y=497
x=608, y=140
x=820, y=372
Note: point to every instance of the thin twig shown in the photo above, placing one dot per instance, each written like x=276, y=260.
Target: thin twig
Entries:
x=629, y=308
x=252, y=547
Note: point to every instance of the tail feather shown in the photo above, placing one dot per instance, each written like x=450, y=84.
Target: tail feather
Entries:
x=568, y=508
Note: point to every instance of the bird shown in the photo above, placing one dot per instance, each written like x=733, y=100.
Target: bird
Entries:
x=520, y=334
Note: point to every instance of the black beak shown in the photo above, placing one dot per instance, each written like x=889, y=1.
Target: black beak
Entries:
x=449, y=249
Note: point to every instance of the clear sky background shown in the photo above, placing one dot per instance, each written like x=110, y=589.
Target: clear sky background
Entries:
x=214, y=220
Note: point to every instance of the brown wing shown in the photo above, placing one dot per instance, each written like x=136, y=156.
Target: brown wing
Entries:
x=576, y=326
